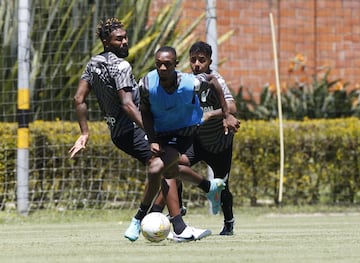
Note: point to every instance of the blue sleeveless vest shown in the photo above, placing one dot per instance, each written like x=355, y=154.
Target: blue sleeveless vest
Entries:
x=174, y=111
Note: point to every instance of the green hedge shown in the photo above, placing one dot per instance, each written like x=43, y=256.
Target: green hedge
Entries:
x=321, y=165
x=321, y=161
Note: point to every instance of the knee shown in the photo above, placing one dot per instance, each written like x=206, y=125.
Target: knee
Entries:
x=155, y=167
x=184, y=160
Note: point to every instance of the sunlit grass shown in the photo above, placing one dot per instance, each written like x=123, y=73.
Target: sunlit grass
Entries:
x=262, y=234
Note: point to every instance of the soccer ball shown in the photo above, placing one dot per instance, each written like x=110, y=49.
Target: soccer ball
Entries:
x=155, y=227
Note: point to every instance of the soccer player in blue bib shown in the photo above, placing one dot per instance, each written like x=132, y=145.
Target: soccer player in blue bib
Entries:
x=171, y=114
x=210, y=143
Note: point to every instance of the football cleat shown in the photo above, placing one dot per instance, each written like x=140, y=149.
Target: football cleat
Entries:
x=189, y=234
x=133, y=231
x=228, y=229
x=214, y=194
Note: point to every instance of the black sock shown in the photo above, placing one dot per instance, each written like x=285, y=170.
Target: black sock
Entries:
x=141, y=213
x=157, y=208
x=204, y=185
x=178, y=224
x=227, y=204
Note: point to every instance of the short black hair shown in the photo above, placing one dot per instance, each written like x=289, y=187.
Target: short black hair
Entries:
x=104, y=28
x=201, y=47
x=167, y=49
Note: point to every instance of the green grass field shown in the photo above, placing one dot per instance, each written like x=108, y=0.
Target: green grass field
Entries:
x=263, y=235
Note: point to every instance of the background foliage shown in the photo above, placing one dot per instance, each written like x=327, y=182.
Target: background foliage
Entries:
x=321, y=166
x=302, y=96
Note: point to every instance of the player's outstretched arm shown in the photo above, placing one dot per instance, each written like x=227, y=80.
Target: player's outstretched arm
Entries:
x=81, y=111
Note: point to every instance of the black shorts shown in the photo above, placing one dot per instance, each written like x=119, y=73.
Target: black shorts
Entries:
x=180, y=143
x=220, y=162
x=134, y=143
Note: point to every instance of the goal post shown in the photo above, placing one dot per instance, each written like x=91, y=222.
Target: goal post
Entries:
x=23, y=107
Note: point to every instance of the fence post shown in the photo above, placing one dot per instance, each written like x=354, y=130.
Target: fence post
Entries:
x=23, y=107
x=211, y=39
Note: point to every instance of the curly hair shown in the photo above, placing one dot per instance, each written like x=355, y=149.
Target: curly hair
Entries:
x=104, y=29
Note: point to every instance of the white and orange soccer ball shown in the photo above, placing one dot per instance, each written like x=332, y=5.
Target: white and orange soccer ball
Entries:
x=155, y=227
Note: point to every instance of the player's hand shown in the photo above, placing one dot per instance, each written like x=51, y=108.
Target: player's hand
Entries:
x=206, y=116
x=156, y=149
x=233, y=124
x=226, y=128
x=79, y=145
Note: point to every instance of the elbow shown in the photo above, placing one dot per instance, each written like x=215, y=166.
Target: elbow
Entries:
x=78, y=100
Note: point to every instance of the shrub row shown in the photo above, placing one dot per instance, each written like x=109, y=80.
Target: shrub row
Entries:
x=321, y=166
x=321, y=161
